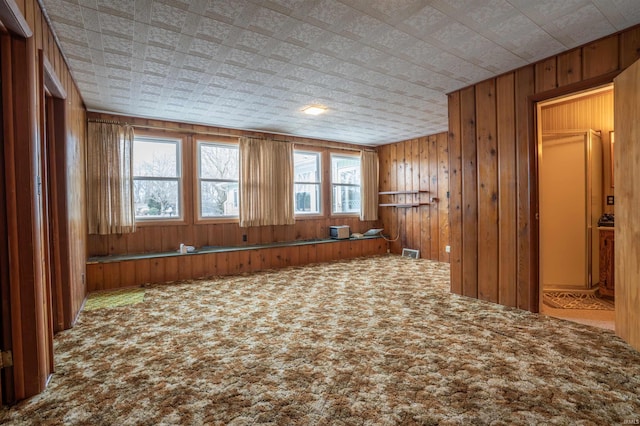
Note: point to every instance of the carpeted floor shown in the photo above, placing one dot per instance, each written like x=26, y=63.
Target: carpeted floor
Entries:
x=376, y=341
x=113, y=299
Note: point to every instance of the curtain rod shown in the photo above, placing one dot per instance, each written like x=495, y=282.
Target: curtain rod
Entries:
x=197, y=132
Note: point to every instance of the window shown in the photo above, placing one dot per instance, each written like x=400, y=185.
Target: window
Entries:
x=345, y=183
x=157, y=178
x=218, y=172
x=307, y=182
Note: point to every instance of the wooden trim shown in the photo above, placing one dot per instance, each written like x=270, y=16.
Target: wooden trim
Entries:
x=12, y=18
x=7, y=393
x=526, y=209
x=51, y=81
x=45, y=214
x=12, y=215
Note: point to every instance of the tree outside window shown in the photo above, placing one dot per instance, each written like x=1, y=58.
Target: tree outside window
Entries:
x=218, y=171
x=157, y=178
x=307, y=182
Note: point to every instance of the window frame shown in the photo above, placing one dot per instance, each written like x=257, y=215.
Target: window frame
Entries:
x=332, y=185
x=320, y=185
x=182, y=164
x=197, y=199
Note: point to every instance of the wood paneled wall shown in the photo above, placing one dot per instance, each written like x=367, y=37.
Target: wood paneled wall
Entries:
x=136, y=272
x=150, y=238
x=25, y=146
x=417, y=164
x=493, y=178
x=593, y=111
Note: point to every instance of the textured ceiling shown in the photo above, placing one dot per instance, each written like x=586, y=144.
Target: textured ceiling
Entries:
x=382, y=67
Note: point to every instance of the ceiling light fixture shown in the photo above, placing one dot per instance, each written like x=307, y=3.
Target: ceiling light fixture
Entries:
x=314, y=109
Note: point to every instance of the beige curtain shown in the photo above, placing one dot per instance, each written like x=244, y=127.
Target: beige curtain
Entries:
x=369, y=185
x=266, y=182
x=110, y=179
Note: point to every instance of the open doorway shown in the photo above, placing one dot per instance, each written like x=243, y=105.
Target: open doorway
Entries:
x=575, y=191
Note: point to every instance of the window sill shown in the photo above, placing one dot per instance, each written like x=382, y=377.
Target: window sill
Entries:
x=215, y=220
x=160, y=222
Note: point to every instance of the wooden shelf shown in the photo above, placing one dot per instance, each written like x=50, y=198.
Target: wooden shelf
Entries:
x=412, y=201
x=403, y=204
x=402, y=192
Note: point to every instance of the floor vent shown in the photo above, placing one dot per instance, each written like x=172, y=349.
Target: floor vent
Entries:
x=414, y=254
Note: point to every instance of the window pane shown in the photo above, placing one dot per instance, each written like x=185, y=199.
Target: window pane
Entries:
x=218, y=161
x=218, y=199
x=346, y=199
x=155, y=158
x=345, y=170
x=307, y=198
x=306, y=167
x=155, y=198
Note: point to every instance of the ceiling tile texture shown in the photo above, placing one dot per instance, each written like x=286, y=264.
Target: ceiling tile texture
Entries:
x=382, y=67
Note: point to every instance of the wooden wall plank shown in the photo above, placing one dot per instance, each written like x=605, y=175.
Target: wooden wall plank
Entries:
x=142, y=273
x=569, y=67
x=527, y=297
x=434, y=223
x=156, y=270
x=170, y=268
x=418, y=213
x=469, y=193
x=507, y=177
x=95, y=277
x=455, y=192
x=221, y=263
x=443, y=196
x=546, y=78
x=112, y=275
x=127, y=274
x=185, y=267
x=401, y=213
x=409, y=213
x=487, y=151
x=425, y=182
x=629, y=47
x=600, y=57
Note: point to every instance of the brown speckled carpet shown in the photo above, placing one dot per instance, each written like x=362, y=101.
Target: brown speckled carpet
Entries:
x=376, y=341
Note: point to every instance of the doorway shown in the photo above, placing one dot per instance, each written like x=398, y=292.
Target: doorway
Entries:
x=574, y=178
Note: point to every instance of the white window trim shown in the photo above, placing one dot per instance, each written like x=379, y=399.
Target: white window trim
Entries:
x=348, y=185
x=199, y=180
x=318, y=183
x=179, y=178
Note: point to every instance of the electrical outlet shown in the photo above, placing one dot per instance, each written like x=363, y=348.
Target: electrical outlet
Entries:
x=610, y=200
x=244, y=238
x=447, y=249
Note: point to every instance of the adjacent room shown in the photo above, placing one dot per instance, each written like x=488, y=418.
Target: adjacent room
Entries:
x=319, y=212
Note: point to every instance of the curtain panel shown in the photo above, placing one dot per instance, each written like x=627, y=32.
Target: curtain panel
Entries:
x=266, y=182
x=110, y=179
x=369, y=189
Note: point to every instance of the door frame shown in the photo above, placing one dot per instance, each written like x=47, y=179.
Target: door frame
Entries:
x=533, y=166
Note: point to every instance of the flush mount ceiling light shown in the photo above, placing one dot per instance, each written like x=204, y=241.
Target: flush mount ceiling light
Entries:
x=314, y=109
